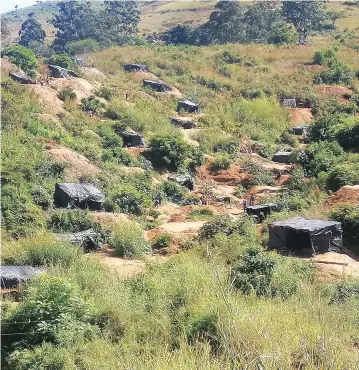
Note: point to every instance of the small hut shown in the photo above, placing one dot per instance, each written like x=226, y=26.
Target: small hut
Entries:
x=73, y=195
x=282, y=156
x=290, y=103
x=132, y=139
x=187, y=106
x=184, y=179
x=306, y=235
x=158, y=86
x=59, y=72
x=300, y=130
x=12, y=276
x=261, y=211
x=88, y=240
x=135, y=67
x=23, y=79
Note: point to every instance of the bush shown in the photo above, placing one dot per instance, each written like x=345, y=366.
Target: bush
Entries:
x=107, y=93
x=288, y=139
x=120, y=156
x=324, y=57
x=129, y=241
x=41, y=250
x=67, y=94
x=348, y=216
x=259, y=176
x=91, y=104
x=173, y=192
x=42, y=197
x=230, y=146
x=109, y=138
x=343, y=174
x=344, y=291
x=201, y=214
x=61, y=60
x=205, y=330
x=338, y=73
x=23, y=57
x=162, y=241
x=221, y=162
x=71, y=221
x=82, y=46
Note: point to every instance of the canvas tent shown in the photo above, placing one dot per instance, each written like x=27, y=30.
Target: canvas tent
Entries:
x=71, y=195
x=12, y=276
x=261, y=211
x=135, y=67
x=88, y=239
x=187, y=106
x=185, y=179
x=21, y=78
x=185, y=123
x=282, y=156
x=132, y=139
x=59, y=72
x=301, y=130
x=159, y=86
x=311, y=236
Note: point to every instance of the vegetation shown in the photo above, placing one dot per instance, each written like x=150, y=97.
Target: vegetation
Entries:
x=31, y=31
x=21, y=56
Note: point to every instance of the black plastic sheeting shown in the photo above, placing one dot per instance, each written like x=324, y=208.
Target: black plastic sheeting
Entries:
x=132, y=139
x=135, y=67
x=282, y=157
x=12, y=276
x=60, y=72
x=21, y=78
x=88, y=239
x=159, y=86
x=186, y=179
x=72, y=195
x=185, y=123
x=311, y=236
x=261, y=211
x=299, y=130
x=188, y=106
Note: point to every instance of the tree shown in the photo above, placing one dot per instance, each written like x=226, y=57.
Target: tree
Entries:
x=21, y=56
x=334, y=15
x=31, y=31
x=303, y=15
x=178, y=35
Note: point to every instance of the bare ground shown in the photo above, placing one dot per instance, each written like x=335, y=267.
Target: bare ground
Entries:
x=301, y=115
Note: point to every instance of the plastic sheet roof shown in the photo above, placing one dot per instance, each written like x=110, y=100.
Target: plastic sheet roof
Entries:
x=82, y=191
x=300, y=223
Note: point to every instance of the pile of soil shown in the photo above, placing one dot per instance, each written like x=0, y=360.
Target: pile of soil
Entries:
x=335, y=90
x=315, y=68
x=48, y=99
x=231, y=177
x=301, y=115
x=346, y=194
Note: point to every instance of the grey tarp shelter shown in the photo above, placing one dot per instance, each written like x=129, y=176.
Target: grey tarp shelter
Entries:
x=282, y=157
x=12, y=276
x=299, y=130
x=261, y=211
x=132, y=139
x=81, y=195
x=21, y=78
x=306, y=235
x=187, y=106
x=184, y=179
x=59, y=72
x=88, y=240
x=291, y=103
x=159, y=86
x=185, y=123
x=135, y=67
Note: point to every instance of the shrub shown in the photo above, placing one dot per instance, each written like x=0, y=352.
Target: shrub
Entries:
x=42, y=197
x=205, y=330
x=162, y=241
x=23, y=57
x=343, y=174
x=61, y=60
x=229, y=146
x=221, y=162
x=259, y=176
x=201, y=214
x=71, y=221
x=338, y=73
x=91, y=104
x=173, y=192
x=324, y=56
x=129, y=241
x=120, y=156
x=109, y=138
x=82, y=46
x=107, y=93
x=67, y=94
x=41, y=250
x=288, y=139
x=348, y=215
x=344, y=291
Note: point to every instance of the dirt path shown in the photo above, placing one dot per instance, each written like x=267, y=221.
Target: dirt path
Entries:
x=270, y=165
x=188, y=134
x=182, y=227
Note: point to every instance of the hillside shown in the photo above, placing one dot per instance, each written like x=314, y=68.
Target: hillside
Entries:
x=144, y=192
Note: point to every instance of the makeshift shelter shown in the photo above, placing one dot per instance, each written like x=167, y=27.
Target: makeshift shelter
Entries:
x=59, y=72
x=290, y=103
x=12, y=276
x=187, y=106
x=159, y=86
x=71, y=195
x=135, y=67
x=282, y=156
x=132, y=139
x=186, y=123
x=300, y=234
x=21, y=78
x=184, y=179
x=300, y=130
x=261, y=211
x=88, y=240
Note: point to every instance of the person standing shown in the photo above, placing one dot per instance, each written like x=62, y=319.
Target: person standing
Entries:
x=127, y=95
x=252, y=200
x=244, y=205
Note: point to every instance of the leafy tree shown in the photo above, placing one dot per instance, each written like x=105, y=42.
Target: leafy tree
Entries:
x=283, y=33
x=348, y=215
x=343, y=174
x=334, y=15
x=61, y=60
x=31, y=31
x=21, y=56
x=178, y=35
x=303, y=15
x=338, y=73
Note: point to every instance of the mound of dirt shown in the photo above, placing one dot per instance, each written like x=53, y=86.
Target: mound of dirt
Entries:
x=346, y=194
x=231, y=177
x=80, y=166
x=93, y=72
x=108, y=219
x=182, y=227
x=7, y=66
x=301, y=115
x=266, y=163
x=335, y=90
x=189, y=133
x=48, y=99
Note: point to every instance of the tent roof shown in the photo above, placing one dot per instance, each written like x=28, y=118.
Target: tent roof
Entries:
x=82, y=191
x=188, y=102
x=300, y=223
x=283, y=152
x=20, y=273
x=300, y=127
x=262, y=206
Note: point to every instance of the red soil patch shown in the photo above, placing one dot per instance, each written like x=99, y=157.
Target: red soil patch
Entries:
x=346, y=194
x=301, y=115
x=335, y=90
x=314, y=68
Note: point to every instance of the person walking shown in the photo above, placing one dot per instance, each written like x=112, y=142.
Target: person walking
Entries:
x=252, y=200
x=127, y=95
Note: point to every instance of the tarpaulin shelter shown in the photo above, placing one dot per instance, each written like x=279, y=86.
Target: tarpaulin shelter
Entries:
x=132, y=139
x=300, y=234
x=60, y=72
x=299, y=130
x=159, y=86
x=83, y=195
x=88, y=239
x=282, y=156
x=291, y=103
x=184, y=179
x=187, y=106
x=135, y=67
x=21, y=78
x=261, y=211
x=12, y=276
x=185, y=123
